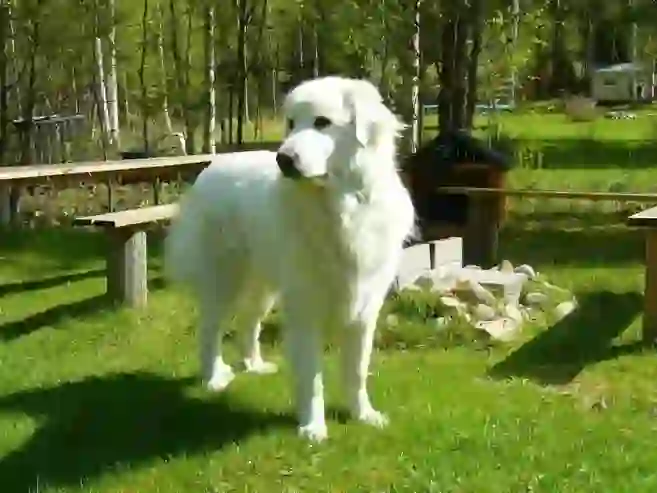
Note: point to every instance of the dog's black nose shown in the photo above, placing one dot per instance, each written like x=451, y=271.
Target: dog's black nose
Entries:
x=286, y=164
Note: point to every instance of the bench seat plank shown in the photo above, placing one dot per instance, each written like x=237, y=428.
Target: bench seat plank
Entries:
x=132, y=217
x=127, y=259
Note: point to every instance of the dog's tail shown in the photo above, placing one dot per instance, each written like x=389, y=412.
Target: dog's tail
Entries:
x=183, y=258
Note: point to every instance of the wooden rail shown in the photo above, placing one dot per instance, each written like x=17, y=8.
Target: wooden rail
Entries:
x=551, y=194
x=481, y=233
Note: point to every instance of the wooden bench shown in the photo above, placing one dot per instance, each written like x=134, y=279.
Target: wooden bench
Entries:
x=123, y=172
x=127, y=261
x=647, y=220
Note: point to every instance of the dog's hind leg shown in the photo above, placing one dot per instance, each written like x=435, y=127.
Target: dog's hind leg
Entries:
x=217, y=305
x=214, y=370
x=258, y=304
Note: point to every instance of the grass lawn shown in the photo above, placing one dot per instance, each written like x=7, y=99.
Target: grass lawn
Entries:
x=94, y=399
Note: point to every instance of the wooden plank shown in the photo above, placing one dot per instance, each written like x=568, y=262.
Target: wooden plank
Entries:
x=127, y=267
x=141, y=167
x=650, y=295
x=131, y=217
x=552, y=194
x=45, y=172
x=645, y=218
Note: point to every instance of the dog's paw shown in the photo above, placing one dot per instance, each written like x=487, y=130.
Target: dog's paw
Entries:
x=373, y=418
x=313, y=432
x=221, y=378
x=259, y=366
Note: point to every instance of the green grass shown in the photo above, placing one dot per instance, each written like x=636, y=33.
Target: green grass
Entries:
x=95, y=399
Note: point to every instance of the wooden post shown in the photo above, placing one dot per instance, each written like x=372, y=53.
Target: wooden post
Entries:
x=480, y=240
x=5, y=205
x=650, y=296
x=156, y=191
x=127, y=272
x=110, y=196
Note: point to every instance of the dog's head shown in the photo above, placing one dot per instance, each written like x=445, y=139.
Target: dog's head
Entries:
x=329, y=121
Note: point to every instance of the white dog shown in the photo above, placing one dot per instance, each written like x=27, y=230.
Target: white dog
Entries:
x=320, y=226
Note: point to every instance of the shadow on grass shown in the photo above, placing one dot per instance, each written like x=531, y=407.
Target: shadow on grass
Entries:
x=581, y=246
x=592, y=153
x=69, y=248
x=52, y=316
x=559, y=354
x=94, y=425
x=49, y=282
x=56, y=314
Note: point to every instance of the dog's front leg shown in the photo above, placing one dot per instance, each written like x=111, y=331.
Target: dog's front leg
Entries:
x=356, y=354
x=305, y=351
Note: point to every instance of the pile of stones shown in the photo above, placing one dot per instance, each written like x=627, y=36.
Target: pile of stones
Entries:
x=500, y=301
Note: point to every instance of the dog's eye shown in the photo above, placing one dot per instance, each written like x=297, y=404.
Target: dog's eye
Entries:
x=321, y=122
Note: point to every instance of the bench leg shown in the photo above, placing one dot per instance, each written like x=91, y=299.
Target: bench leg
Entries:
x=127, y=272
x=650, y=296
x=5, y=206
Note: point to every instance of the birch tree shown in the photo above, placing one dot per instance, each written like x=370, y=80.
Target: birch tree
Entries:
x=101, y=87
x=112, y=83
x=210, y=115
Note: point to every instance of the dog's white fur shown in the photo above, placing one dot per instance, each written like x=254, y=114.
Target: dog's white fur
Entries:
x=326, y=245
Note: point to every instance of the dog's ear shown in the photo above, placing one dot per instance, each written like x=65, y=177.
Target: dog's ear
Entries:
x=372, y=119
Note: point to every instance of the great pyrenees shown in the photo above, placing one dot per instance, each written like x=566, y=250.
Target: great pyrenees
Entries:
x=318, y=225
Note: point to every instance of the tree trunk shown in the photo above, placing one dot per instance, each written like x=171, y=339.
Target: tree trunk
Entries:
x=126, y=102
x=163, y=70
x=188, y=115
x=101, y=88
x=460, y=71
x=112, y=82
x=13, y=59
x=451, y=99
x=145, y=112
x=180, y=71
x=515, y=12
x=27, y=134
x=446, y=76
x=477, y=25
x=210, y=115
x=242, y=27
x=415, y=130
x=4, y=84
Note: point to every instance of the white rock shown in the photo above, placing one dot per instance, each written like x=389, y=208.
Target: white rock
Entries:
x=482, y=294
x=502, y=329
x=562, y=310
x=528, y=270
x=451, y=302
x=506, y=267
x=483, y=312
x=514, y=313
x=425, y=281
x=554, y=287
x=537, y=298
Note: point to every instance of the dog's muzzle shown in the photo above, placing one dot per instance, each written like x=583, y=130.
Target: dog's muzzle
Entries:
x=286, y=165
